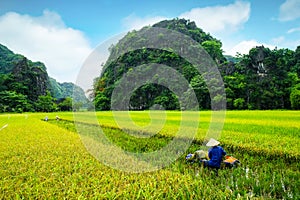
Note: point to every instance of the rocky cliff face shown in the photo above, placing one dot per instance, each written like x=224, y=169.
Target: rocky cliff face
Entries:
x=32, y=78
x=29, y=78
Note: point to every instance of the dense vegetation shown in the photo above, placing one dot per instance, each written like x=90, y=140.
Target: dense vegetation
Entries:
x=24, y=83
x=262, y=79
x=46, y=160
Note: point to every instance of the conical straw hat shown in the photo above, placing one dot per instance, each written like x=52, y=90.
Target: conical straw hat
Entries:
x=212, y=142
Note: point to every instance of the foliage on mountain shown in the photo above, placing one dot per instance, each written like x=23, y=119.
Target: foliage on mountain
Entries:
x=8, y=60
x=262, y=79
x=232, y=59
x=45, y=103
x=67, y=89
x=295, y=97
x=23, y=83
x=153, y=94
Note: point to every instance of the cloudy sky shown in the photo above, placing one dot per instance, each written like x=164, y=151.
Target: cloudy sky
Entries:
x=63, y=33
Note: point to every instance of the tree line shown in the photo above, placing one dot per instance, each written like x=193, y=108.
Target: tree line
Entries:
x=26, y=87
x=262, y=79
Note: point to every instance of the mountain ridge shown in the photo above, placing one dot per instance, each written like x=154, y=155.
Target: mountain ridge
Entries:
x=260, y=80
x=25, y=77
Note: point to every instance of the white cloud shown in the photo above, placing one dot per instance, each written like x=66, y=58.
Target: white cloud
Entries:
x=213, y=19
x=134, y=22
x=289, y=10
x=47, y=39
x=294, y=30
x=283, y=42
x=243, y=47
x=278, y=40
x=218, y=19
x=93, y=65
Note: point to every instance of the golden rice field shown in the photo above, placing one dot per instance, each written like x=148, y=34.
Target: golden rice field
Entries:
x=47, y=160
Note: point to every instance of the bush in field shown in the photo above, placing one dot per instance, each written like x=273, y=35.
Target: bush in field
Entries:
x=295, y=97
x=239, y=103
x=12, y=101
x=45, y=103
x=65, y=104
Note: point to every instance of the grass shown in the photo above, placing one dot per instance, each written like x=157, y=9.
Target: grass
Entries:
x=47, y=160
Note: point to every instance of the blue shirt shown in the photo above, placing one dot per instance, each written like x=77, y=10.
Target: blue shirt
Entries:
x=215, y=155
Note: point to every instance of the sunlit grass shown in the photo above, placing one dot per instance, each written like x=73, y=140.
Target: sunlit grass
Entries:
x=42, y=160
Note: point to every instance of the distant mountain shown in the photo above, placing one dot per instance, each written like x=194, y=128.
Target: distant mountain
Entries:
x=232, y=58
x=262, y=79
x=150, y=94
x=28, y=80
x=66, y=89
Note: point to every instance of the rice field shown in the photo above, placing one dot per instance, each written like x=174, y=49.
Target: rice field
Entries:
x=48, y=160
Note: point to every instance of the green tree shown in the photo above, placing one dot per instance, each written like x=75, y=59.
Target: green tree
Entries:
x=77, y=106
x=102, y=102
x=12, y=101
x=239, y=103
x=65, y=105
x=149, y=94
x=295, y=97
x=200, y=88
x=267, y=78
x=214, y=49
x=45, y=103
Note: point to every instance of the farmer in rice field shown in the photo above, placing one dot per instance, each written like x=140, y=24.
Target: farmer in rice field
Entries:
x=215, y=154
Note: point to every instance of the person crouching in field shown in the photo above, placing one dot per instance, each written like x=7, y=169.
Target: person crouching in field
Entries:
x=215, y=154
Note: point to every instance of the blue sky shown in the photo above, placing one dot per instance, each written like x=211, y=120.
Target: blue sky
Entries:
x=62, y=33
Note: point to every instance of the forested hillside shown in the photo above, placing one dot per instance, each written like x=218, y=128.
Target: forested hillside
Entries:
x=262, y=79
x=26, y=86
x=66, y=89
